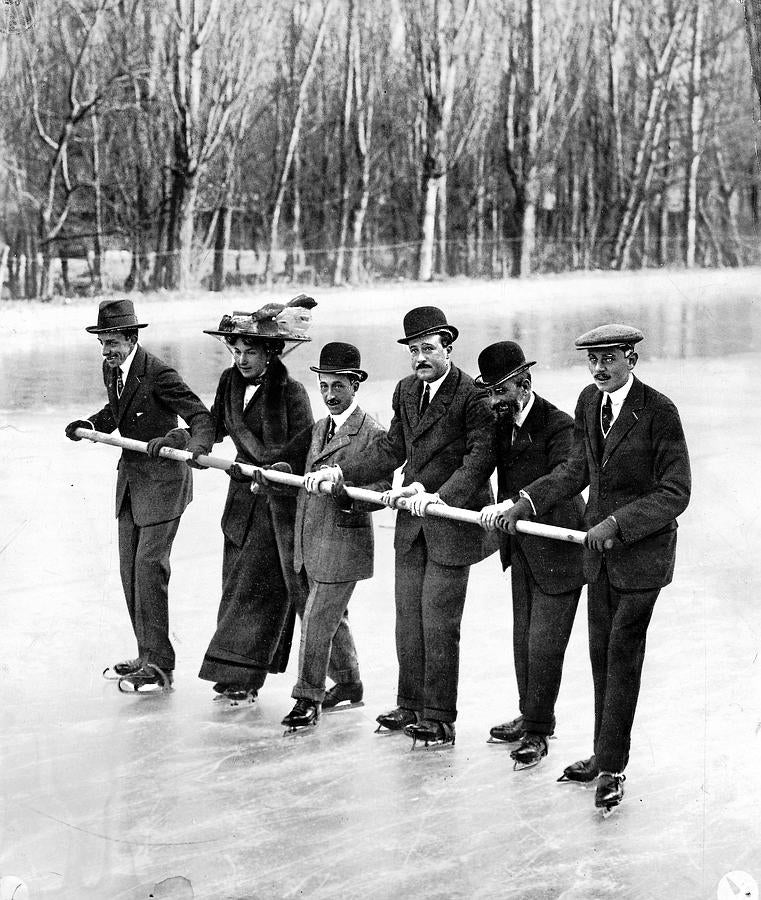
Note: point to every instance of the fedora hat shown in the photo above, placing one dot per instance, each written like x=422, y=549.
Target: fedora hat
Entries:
x=338, y=358
x=271, y=322
x=501, y=361
x=426, y=320
x=115, y=315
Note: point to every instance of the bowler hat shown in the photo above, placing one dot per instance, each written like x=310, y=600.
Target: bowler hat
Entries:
x=613, y=335
x=426, y=320
x=115, y=315
x=501, y=361
x=271, y=322
x=338, y=358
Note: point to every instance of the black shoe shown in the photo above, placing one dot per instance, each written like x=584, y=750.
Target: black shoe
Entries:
x=120, y=669
x=350, y=691
x=235, y=694
x=431, y=731
x=147, y=679
x=532, y=750
x=397, y=719
x=305, y=712
x=508, y=732
x=610, y=790
x=584, y=770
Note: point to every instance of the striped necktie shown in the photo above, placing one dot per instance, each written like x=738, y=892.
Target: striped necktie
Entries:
x=331, y=430
x=425, y=398
x=606, y=415
x=119, y=383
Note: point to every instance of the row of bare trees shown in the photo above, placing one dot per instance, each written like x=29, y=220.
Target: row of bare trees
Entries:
x=349, y=139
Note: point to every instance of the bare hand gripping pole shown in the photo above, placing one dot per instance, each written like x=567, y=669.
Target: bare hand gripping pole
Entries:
x=438, y=510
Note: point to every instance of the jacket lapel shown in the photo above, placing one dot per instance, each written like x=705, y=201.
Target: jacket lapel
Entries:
x=438, y=405
x=594, y=434
x=341, y=438
x=133, y=380
x=627, y=419
x=525, y=436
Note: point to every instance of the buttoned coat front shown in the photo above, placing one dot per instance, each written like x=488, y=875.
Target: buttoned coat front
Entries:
x=640, y=475
x=334, y=545
x=153, y=397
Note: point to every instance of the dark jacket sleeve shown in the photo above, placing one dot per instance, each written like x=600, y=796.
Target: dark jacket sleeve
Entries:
x=480, y=455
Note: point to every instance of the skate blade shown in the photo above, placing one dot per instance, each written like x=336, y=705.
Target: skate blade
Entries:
x=224, y=702
x=341, y=707
x=431, y=745
x=146, y=690
x=292, y=730
x=519, y=766
x=110, y=675
x=493, y=740
x=607, y=811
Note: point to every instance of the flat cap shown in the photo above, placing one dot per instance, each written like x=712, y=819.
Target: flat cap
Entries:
x=609, y=336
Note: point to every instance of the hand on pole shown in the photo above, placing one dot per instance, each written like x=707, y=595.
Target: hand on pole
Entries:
x=262, y=483
x=79, y=423
x=520, y=511
x=419, y=503
x=603, y=536
x=175, y=440
x=492, y=517
x=313, y=480
x=391, y=497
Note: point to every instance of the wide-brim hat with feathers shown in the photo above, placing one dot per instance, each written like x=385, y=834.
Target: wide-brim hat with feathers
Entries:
x=287, y=322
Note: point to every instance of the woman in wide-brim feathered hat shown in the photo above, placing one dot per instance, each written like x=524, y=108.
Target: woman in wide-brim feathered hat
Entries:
x=261, y=408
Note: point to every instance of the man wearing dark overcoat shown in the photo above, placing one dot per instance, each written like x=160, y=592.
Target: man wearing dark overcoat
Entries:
x=333, y=543
x=442, y=431
x=629, y=448
x=145, y=398
x=533, y=438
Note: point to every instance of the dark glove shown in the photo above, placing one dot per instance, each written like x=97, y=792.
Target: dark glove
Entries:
x=601, y=537
x=174, y=440
x=518, y=512
x=197, y=450
x=261, y=483
x=236, y=474
x=340, y=494
x=72, y=427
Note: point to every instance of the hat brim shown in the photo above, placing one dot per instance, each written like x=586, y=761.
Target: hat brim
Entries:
x=615, y=345
x=413, y=337
x=94, y=329
x=359, y=373
x=258, y=337
x=479, y=379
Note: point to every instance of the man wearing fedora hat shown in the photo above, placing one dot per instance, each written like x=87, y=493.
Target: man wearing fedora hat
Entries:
x=145, y=398
x=629, y=449
x=442, y=431
x=333, y=538
x=533, y=438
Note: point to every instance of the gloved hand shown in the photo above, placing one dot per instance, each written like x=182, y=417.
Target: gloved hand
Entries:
x=518, y=512
x=601, y=537
x=391, y=497
x=312, y=480
x=236, y=474
x=419, y=503
x=174, y=440
x=79, y=423
x=197, y=449
x=343, y=500
x=261, y=483
x=492, y=516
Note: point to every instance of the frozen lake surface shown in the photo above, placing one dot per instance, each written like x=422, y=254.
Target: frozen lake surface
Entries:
x=106, y=795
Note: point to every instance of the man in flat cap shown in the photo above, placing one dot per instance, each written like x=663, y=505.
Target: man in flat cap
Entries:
x=145, y=398
x=533, y=439
x=333, y=543
x=630, y=450
x=442, y=428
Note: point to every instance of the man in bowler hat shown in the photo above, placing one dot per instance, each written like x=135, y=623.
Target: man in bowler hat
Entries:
x=442, y=428
x=145, y=398
x=333, y=538
x=533, y=438
x=630, y=450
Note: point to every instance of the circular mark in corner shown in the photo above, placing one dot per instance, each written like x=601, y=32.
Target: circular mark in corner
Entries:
x=737, y=885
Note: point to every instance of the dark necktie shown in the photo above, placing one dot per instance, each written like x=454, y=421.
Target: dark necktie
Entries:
x=119, y=383
x=607, y=415
x=331, y=430
x=425, y=399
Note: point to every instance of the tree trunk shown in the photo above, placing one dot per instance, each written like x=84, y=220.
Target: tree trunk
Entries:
x=753, y=33
x=97, y=244
x=344, y=209
x=695, y=124
x=221, y=245
x=530, y=168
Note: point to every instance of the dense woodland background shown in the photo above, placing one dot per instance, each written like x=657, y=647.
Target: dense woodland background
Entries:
x=150, y=144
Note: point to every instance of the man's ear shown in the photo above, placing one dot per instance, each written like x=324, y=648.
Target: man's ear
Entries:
x=632, y=360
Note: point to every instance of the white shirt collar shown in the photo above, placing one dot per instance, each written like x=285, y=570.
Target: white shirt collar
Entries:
x=618, y=396
x=341, y=418
x=523, y=414
x=125, y=366
x=435, y=385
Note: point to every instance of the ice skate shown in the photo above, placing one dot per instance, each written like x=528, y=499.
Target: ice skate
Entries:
x=235, y=695
x=148, y=679
x=532, y=750
x=432, y=733
x=305, y=714
x=120, y=669
x=610, y=791
x=396, y=720
x=507, y=732
x=343, y=696
x=584, y=771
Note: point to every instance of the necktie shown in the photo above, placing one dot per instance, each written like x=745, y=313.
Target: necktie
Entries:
x=331, y=430
x=425, y=398
x=607, y=415
x=119, y=383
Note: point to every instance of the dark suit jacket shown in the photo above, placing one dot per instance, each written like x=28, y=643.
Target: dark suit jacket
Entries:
x=154, y=396
x=450, y=450
x=640, y=474
x=333, y=545
x=543, y=442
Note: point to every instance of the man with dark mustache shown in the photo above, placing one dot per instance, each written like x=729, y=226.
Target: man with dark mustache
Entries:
x=629, y=448
x=533, y=438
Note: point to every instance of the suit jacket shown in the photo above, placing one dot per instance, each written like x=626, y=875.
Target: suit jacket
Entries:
x=334, y=545
x=450, y=450
x=154, y=396
x=542, y=443
x=640, y=474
